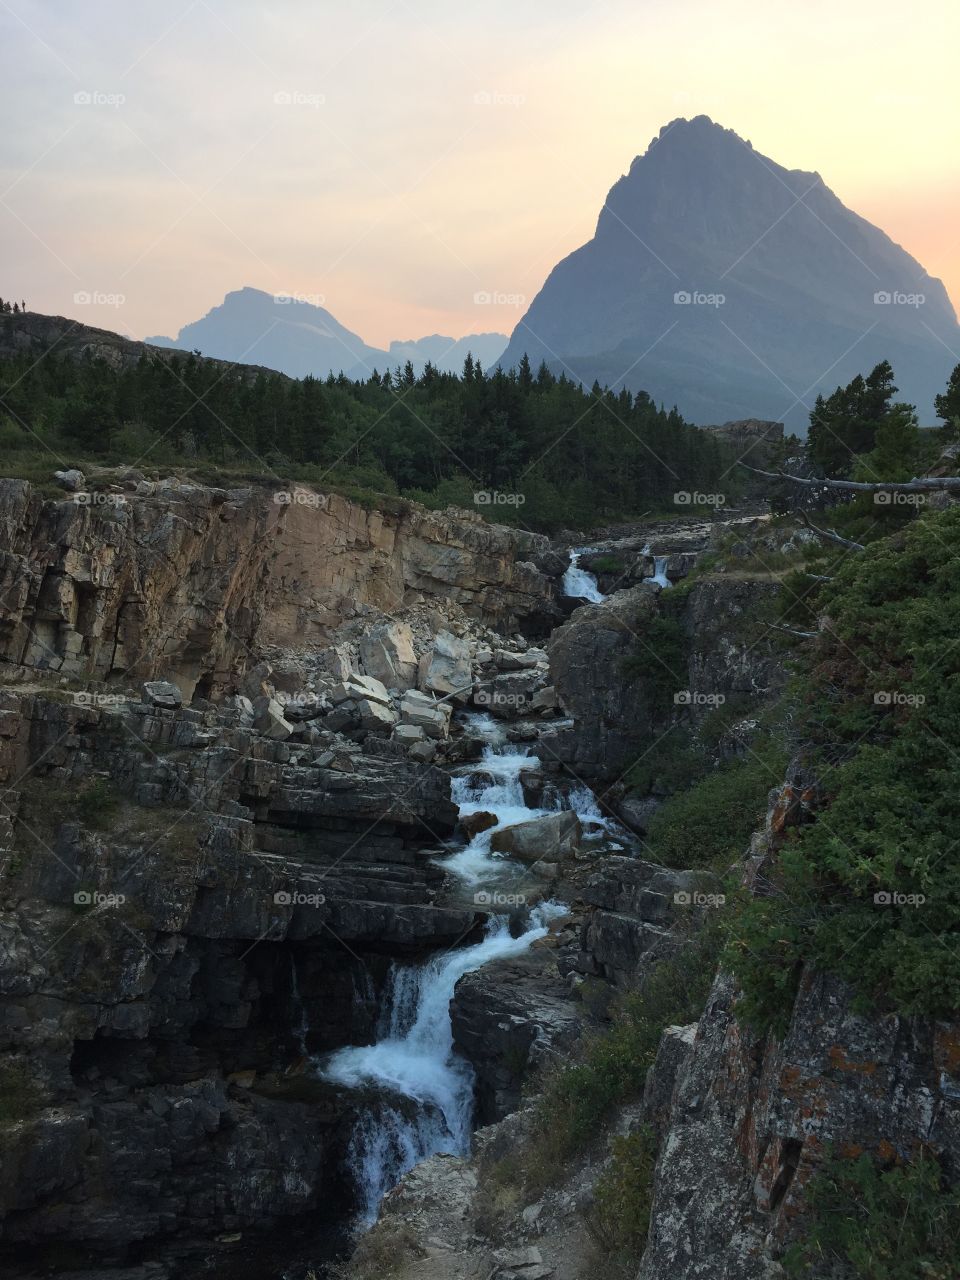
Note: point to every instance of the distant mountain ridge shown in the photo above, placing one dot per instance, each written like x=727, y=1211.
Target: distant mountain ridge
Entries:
x=723, y=283
x=299, y=338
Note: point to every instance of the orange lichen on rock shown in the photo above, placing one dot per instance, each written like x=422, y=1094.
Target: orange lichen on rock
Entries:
x=840, y=1060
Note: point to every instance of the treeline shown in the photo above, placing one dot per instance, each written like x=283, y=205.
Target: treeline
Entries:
x=861, y=432
x=550, y=451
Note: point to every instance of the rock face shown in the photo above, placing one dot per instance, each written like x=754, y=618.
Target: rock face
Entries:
x=509, y=1019
x=180, y=895
x=611, y=714
x=728, y=273
x=618, y=713
x=750, y=1122
x=186, y=582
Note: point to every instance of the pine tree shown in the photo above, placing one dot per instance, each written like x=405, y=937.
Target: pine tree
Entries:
x=948, y=407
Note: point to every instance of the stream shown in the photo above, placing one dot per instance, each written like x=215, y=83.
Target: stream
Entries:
x=420, y=1090
x=578, y=582
x=425, y=1105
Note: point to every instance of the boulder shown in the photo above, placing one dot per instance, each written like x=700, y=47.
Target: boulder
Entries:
x=255, y=680
x=357, y=688
x=387, y=655
x=430, y=716
x=553, y=837
x=375, y=716
x=509, y=695
x=423, y=751
x=162, y=693
x=473, y=823
x=544, y=699
x=408, y=734
x=270, y=720
x=337, y=661
x=447, y=668
x=637, y=811
x=72, y=480
x=507, y=660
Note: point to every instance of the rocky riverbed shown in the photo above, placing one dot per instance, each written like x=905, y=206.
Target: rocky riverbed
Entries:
x=319, y=846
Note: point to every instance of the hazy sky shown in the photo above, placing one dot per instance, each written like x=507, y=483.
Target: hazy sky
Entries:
x=396, y=157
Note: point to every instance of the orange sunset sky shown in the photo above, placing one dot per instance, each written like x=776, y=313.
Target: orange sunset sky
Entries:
x=395, y=158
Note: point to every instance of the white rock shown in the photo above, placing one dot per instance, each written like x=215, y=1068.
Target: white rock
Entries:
x=447, y=668
x=387, y=655
x=357, y=688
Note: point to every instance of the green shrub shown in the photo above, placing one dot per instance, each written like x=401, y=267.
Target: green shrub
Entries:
x=710, y=824
x=674, y=763
x=901, y=1223
x=96, y=803
x=606, y=564
x=623, y=1194
x=879, y=694
x=659, y=663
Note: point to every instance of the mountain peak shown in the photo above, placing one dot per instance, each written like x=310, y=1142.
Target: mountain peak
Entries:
x=733, y=287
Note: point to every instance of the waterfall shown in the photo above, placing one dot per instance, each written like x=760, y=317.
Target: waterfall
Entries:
x=500, y=792
x=578, y=582
x=660, y=571
x=427, y=1090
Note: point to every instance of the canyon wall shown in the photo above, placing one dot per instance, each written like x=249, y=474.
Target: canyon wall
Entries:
x=140, y=578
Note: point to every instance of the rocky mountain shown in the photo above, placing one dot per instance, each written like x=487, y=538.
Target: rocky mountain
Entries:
x=298, y=337
x=448, y=354
x=724, y=283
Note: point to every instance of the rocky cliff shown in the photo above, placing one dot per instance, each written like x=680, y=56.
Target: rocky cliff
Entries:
x=138, y=577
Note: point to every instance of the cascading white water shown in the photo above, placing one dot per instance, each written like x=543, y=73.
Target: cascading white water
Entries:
x=428, y=1106
x=660, y=571
x=501, y=793
x=578, y=582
